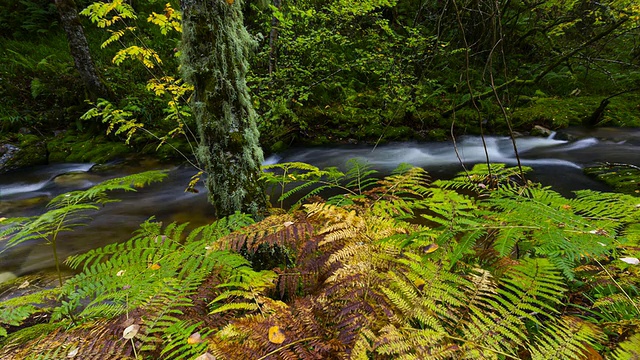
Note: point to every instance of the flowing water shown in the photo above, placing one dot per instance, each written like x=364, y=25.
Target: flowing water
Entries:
x=556, y=162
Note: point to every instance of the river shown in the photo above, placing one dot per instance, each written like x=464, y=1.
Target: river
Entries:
x=25, y=192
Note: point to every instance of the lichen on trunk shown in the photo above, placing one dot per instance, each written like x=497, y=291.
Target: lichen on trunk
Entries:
x=214, y=59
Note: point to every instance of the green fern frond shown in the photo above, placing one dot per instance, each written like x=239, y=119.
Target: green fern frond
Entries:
x=14, y=311
x=606, y=206
x=359, y=176
x=628, y=349
x=547, y=224
x=497, y=315
x=155, y=270
x=243, y=290
x=483, y=177
x=569, y=338
x=178, y=347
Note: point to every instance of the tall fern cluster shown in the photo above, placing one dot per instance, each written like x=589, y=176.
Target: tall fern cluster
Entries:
x=477, y=267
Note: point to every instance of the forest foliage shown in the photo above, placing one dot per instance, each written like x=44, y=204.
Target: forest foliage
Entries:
x=360, y=70
x=398, y=267
x=362, y=266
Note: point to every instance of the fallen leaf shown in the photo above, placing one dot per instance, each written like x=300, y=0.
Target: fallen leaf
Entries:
x=206, y=356
x=230, y=2
x=275, y=335
x=430, y=248
x=73, y=352
x=195, y=338
x=630, y=260
x=24, y=284
x=288, y=223
x=130, y=332
x=155, y=267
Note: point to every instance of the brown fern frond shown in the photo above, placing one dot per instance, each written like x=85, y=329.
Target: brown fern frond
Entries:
x=280, y=332
x=286, y=230
x=92, y=341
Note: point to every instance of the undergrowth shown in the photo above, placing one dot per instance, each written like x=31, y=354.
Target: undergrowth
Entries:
x=477, y=267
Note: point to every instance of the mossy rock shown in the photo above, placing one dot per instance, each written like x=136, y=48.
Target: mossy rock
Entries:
x=556, y=113
x=32, y=151
x=438, y=135
x=71, y=147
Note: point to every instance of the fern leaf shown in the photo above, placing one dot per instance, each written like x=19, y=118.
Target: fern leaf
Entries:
x=568, y=339
x=629, y=349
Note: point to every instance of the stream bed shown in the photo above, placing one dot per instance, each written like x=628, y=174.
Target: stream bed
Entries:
x=558, y=161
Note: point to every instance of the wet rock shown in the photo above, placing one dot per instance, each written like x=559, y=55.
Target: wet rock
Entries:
x=7, y=153
x=22, y=204
x=31, y=150
x=565, y=136
x=7, y=276
x=541, y=131
x=76, y=179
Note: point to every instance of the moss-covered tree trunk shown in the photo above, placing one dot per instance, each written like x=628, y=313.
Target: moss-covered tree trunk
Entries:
x=80, y=48
x=215, y=48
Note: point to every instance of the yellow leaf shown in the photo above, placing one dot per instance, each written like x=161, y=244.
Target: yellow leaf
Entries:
x=155, y=267
x=230, y=2
x=430, y=248
x=275, y=335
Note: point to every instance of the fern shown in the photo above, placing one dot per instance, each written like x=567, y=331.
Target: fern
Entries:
x=570, y=338
x=395, y=268
x=303, y=177
x=629, y=349
x=546, y=224
x=150, y=279
x=14, y=311
x=68, y=211
x=482, y=178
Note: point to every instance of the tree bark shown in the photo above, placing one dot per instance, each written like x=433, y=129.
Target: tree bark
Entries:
x=79, y=49
x=215, y=50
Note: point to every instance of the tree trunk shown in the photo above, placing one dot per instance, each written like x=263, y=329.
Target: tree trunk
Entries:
x=215, y=50
x=80, y=49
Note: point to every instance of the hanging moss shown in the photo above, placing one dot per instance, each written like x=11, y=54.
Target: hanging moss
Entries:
x=215, y=50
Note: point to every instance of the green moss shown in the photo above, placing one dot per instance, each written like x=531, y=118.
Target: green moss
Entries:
x=32, y=152
x=557, y=113
x=278, y=146
x=438, y=134
x=71, y=147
